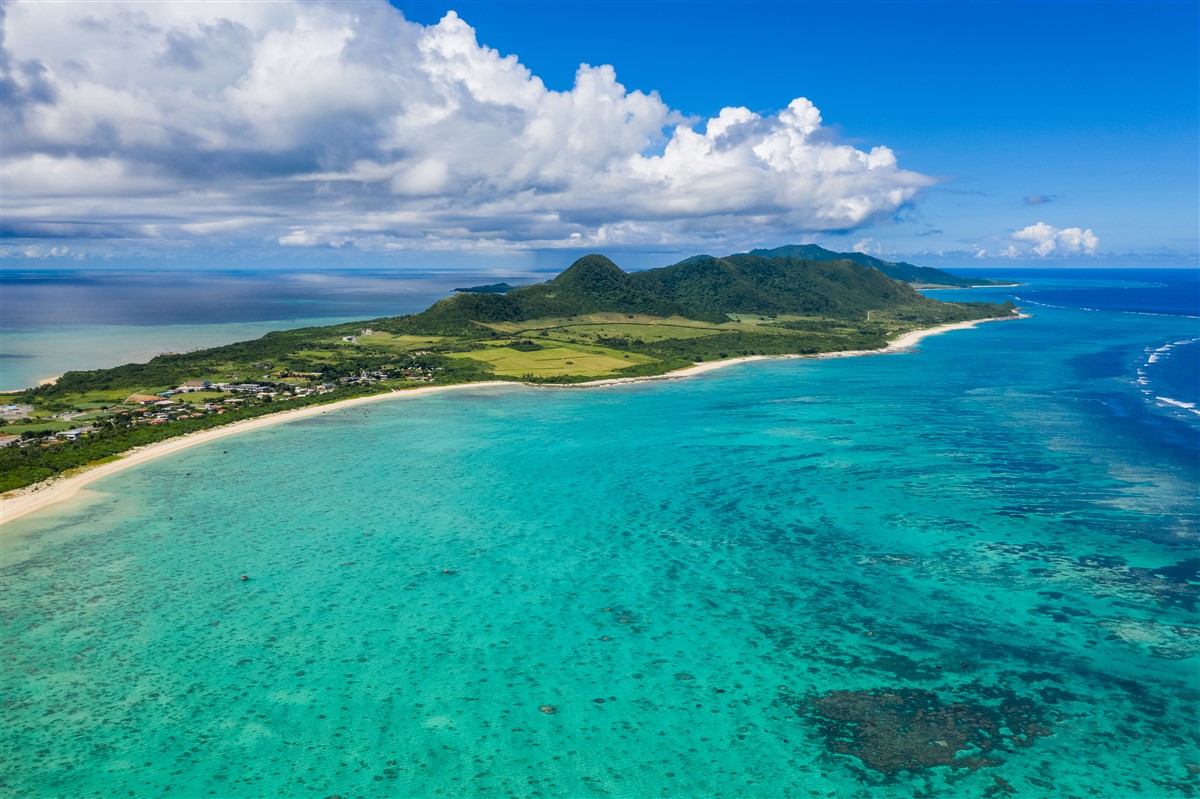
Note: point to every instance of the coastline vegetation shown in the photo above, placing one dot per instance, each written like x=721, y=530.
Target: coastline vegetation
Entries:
x=594, y=321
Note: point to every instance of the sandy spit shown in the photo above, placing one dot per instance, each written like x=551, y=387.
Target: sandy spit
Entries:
x=22, y=502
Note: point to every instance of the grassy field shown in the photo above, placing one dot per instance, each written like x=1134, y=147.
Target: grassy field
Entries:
x=34, y=425
x=392, y=341
x=554, y=361
x=599, y=345
x=104, y=399
x=317, y=356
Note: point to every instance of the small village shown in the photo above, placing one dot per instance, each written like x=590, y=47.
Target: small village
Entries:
x=193, y=399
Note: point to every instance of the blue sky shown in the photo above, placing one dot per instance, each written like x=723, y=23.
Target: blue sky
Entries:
x=943, y=133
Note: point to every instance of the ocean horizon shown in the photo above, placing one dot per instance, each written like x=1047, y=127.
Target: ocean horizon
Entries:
x=965, y=570
x=57, y=320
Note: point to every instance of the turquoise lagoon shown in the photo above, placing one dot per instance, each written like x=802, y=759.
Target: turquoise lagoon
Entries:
x=963, y=571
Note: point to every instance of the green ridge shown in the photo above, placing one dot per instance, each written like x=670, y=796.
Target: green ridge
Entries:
x=902, y=271
x=703, y=288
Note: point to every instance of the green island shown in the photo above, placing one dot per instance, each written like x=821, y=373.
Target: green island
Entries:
x=491, y=288
x=593, y=321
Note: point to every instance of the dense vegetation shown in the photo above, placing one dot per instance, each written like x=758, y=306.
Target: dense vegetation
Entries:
x=592, y=321
x=702, y=288
x=901, y=271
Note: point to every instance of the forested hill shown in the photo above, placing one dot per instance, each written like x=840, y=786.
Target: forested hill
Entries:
x=703, y=288
x=902, y=271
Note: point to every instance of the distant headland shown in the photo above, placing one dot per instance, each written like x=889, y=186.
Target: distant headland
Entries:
x=491, y=288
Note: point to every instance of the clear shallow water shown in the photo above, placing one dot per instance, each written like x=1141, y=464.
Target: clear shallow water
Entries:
x=768, y=574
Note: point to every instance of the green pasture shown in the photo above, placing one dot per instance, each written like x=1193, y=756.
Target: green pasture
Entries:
x=96, y=400
x=318, y=356
x=554, y=361
x=395, y=341
x=105, y=398
x=25, y=427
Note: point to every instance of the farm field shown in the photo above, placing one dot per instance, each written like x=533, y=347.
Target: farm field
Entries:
x=554, y=361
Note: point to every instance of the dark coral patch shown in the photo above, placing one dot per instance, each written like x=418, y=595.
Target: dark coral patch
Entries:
x=914, y=730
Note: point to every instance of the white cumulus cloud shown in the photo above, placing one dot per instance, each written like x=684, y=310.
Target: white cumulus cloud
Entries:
x=323, y=123
x=868, y=246
x=1043, y=240
x=298, y=237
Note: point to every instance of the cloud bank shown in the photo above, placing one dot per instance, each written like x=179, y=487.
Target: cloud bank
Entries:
x=1040, y=240
x=1043, y=240
x=302, y=124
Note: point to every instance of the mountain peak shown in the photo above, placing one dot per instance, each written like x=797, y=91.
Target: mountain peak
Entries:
x=803, y=252
x=592, y=270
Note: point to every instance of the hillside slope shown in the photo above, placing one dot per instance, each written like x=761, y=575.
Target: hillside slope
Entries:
x=905, y=272
x=703, y=288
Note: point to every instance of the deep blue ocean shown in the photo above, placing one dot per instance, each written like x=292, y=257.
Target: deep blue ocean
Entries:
x=1170, y=373
x=966, y=570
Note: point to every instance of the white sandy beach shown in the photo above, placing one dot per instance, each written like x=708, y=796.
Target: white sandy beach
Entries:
x=22, y=502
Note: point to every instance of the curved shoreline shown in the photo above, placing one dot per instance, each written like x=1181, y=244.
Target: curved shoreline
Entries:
x=23, y=501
